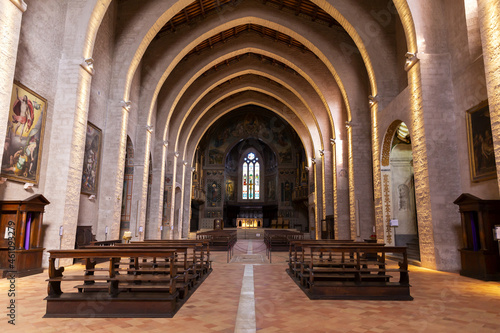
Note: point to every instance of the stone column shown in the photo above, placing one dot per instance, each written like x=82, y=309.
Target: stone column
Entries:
x=113, y=167
x=328, y=181
x=10, y=28
x=156, y=213
x=186, y=212
x=318, y=172
x=489, y=16
x=342, y=219
x=141, y=176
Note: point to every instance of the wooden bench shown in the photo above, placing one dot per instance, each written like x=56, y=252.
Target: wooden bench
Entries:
x=220, y=240
x=296, y=253
x=191, y=258
x=127, y=287
x=203, y=246
x=279, y=240
x=341, y=271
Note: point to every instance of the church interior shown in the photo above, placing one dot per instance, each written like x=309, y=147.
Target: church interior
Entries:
x=363, y=121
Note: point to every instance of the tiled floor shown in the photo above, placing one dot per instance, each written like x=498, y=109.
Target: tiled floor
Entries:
x=443, y=302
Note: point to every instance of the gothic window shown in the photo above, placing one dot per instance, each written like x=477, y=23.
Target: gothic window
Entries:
x=251, y=177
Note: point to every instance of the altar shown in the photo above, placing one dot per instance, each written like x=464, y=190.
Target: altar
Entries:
x=247, y=223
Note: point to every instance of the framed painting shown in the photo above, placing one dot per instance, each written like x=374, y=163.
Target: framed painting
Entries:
x=91, y=160
x=22, y=154
x=480, y=143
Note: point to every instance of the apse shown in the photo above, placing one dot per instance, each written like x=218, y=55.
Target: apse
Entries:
x=252, y=166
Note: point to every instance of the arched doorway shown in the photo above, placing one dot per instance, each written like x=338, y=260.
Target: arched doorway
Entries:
x=400, y=215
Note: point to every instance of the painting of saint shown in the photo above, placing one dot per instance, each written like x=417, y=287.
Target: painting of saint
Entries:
x=23, y=142
x=91, y=160
x=229, y=190
x=480, y=140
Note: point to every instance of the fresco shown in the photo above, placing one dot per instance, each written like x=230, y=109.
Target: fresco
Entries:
x=273, y=130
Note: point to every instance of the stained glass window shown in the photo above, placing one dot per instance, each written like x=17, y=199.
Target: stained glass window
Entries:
x=251, y=177
x=245, y=186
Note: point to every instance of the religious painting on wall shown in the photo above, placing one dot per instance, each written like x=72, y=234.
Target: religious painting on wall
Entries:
x=480, y=141
x=22, y=153
x=271, y=189
x=213, y=193
x=91, y=160
x=230, y=190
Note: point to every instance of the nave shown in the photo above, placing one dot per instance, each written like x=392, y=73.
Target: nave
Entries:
x=249, y=294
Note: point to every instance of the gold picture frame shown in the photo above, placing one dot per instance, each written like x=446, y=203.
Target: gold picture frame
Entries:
x=22, y=153
x=480, y=143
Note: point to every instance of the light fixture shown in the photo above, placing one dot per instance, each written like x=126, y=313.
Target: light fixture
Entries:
x=411, y=59
x=321, y=152
x=2, y=180
x=126, y=105
x=92, y=197
x=185, y=162
x=88, y=65
x=348, y=124
x=313, y=160
x=165, y=143
x=28, y=186
x=150, y=128
x=176, y=154
x=193, y=169
x=332, y=141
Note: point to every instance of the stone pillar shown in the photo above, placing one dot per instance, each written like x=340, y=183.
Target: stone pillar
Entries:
x=113, y=167
x=141, y=175
x=156, y=213
x=489, y=16
x=318, y=172
x=10, y=28
x=379, y=181
x=186, y=211
x=182, y=210
x=312, y=208
x=174, y=205
x=328, y=199
x=342, y=228
x=362, y=210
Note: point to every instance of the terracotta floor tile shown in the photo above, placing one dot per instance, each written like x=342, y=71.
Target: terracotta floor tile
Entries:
x=443, y=302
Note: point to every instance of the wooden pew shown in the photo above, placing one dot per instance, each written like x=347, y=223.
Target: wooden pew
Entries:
x=186, y=264
x=125, y=288
x=279, y=240
x=202, y=246
x=295, y=249
x=352, y=272
x=194, y=260
x=220, y=240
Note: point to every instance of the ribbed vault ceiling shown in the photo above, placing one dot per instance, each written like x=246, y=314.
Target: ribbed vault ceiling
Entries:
x=299, y=83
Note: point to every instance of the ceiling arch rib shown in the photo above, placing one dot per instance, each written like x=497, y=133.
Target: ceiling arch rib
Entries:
x=287, y=77
x=194, y=68
x=327, y=7
x=320, y=79
x=255, y=68
x=208, y=103
x=171, y=58
x=229, y=104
